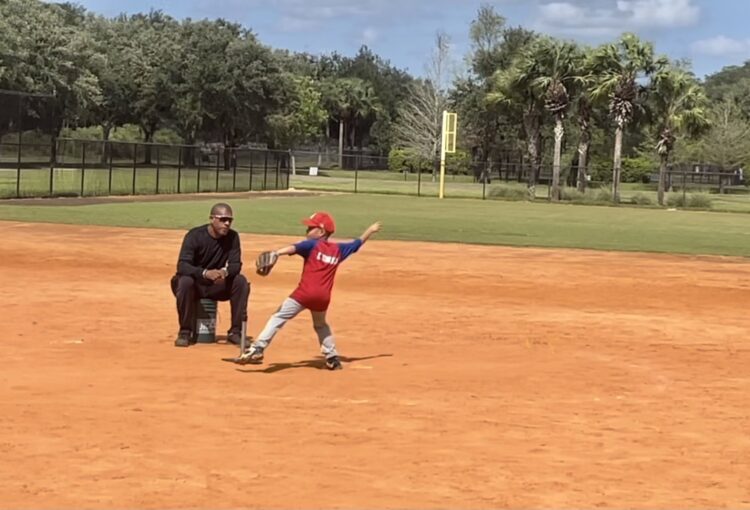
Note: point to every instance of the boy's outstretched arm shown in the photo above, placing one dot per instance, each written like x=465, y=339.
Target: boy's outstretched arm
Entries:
x=267, y=259
x=287, y=250
x=375, y=227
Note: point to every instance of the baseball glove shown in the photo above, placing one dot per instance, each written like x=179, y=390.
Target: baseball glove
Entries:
x=265, y=262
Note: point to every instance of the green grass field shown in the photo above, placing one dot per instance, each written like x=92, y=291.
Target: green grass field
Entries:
x=429, y=219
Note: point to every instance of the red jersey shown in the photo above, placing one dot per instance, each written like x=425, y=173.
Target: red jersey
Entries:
x=322, y=259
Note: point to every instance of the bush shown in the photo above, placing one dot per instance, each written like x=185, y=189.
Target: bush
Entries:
x=458, y=163
x=675, y=200
x=399, y=160
x=692, y=201
x=125, y=133
x=699, y=201
x=603, y=195
x=407, y=159
x=573, y=195
x=642, y=199
x=638, y=169
x=508, y=192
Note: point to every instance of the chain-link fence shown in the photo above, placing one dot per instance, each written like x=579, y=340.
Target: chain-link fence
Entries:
x=508, y=178
x=69, y=167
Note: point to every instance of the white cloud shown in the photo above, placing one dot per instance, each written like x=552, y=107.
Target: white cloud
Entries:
x=721, y=46
x=603, y=18
x=317, y=14
x=369, y=35
x=660, y=13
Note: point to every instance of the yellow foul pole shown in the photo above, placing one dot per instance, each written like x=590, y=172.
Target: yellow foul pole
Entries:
x=447, y=145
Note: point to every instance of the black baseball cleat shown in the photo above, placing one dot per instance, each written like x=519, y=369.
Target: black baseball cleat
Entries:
x=333, y=363
x=183, y=339
x=253, y=355
x=234, y=338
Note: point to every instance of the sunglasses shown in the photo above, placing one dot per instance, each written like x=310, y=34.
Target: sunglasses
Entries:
x=224, y=219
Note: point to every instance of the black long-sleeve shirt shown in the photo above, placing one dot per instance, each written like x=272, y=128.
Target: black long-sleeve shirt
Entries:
x=200, y=251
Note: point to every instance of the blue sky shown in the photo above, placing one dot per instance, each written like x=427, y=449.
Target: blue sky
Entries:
x=710, y=33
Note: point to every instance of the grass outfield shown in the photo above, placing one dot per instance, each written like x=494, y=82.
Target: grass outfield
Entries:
x=410, y=218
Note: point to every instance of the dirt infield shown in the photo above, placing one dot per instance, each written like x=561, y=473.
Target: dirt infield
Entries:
x=474, y=377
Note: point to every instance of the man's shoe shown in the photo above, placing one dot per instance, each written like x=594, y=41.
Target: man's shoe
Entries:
x=183, y=339
x=234, y=338
x=333, y=363
x=253, y=355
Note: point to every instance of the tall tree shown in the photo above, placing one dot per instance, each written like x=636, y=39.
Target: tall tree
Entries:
x=419, y=123
x=302, y=118
x=514, y=88
x=727, y=142
x=155, y=39
x=345, y=100
x=621, y=66
x=489, y=128
x=44, y=50
x=679, y=108
x=556, y=65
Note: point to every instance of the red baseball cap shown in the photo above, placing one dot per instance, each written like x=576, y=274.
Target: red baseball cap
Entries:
x=322, y=220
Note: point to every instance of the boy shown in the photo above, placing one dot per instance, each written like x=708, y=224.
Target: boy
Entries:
x=322, y=258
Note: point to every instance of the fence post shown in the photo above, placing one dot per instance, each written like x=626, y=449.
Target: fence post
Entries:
x=135, y=164
x=109, y=151
x=18, y=167
x=419, y=181
x=265, y=171
x=684, y=184
x=484, y=187
x=218, y=163
x=234, y=170
x=278, y=169
x=200, y=161
x=83, y=167
x=158, y=166
x=20, y=140
x=179, y=168
x=250, y=184
x=356, y=175
x=52, y=167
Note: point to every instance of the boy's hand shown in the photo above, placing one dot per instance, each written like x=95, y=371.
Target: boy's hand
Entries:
x=375, y=227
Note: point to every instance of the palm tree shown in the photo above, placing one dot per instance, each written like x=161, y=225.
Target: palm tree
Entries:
x=513, y=87
x=364, y=105
x=679, y=107
x=559, y=65
x=349, y=101
x=336, y=100
x=585, y=105
x=621, y=67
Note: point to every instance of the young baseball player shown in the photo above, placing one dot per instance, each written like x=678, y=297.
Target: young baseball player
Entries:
x=322, y=259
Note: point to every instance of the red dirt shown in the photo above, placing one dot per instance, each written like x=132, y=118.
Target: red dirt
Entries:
x=474, y=377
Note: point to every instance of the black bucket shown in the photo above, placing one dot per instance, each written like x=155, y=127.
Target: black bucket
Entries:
x=205, y=321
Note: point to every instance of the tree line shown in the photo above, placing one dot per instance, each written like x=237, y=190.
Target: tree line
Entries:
x=609, y=112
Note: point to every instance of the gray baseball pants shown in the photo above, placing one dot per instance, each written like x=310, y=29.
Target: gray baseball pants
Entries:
x=288, y=310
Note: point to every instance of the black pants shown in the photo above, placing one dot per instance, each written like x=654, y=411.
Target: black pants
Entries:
x=236, y=290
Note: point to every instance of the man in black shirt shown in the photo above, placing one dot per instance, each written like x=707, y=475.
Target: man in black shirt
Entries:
x=209, y=267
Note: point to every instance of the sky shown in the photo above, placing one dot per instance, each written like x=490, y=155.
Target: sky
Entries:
x=710, y=33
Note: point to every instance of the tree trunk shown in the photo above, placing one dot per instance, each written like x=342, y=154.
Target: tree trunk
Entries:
x=106, y=149
x=533, y=149
x=532, y=129
x=583, y=155
x=341, y=143
x=148, y=137
x=616, y=170
x=292, y=162
x=559, y=132
x=662, y=177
